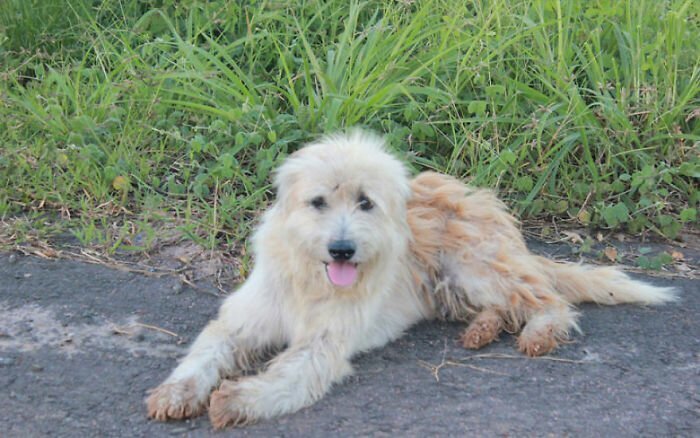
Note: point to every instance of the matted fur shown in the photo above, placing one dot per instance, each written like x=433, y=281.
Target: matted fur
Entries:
x=426, y=248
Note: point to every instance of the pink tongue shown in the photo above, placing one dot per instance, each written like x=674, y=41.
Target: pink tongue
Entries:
x=342, y=273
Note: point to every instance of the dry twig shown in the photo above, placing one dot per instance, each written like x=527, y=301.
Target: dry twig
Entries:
x=158, y=329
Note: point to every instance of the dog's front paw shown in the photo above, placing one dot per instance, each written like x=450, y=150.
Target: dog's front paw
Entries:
x=226, y=407
x=175, y=401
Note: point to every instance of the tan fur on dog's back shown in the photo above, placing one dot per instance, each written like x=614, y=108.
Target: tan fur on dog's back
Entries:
x=445, y=214
x=472, y=228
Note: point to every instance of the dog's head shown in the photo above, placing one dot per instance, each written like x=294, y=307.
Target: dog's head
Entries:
x=341, y=207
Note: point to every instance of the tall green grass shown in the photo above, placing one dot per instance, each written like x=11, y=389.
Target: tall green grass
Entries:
x=122, y=114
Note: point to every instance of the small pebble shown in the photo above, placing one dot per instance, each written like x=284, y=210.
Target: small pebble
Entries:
x=12, y=259
x=37, y=368
x=6, y=361
x=177, y=287
x=139, y=239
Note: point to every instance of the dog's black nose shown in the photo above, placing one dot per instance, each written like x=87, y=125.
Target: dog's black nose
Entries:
x=341, y=249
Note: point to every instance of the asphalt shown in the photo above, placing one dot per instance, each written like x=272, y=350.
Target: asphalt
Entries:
x=80, y=344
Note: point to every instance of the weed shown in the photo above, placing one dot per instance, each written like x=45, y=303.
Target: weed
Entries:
x=112, y=111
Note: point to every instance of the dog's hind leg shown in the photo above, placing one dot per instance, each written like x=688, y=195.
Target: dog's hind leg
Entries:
x=247, y=323
x=546, y=328
x=483, y=330
x=511, y=293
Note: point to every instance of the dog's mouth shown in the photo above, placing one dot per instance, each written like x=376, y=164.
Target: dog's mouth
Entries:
x=342, y=274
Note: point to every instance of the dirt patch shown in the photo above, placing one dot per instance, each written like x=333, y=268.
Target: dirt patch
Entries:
x=31, y=327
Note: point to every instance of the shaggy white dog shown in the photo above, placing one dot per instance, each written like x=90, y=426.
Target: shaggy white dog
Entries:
x=353, y=253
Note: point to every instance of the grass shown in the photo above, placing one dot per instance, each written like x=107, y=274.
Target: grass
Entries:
x=119, y=116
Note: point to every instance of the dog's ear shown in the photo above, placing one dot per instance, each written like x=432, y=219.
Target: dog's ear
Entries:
x=286, y=176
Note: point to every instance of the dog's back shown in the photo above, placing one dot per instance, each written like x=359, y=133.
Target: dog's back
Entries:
x=473, y=264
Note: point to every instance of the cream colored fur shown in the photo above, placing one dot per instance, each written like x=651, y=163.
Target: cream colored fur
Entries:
x=428, y=248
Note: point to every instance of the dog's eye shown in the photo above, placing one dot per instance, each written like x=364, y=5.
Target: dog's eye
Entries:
x=364, y=203
x=318, y=202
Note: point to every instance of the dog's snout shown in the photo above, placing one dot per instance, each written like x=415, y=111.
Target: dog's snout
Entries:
x=342, y=249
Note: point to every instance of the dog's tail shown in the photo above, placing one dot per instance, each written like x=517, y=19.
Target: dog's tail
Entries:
x=603, y=285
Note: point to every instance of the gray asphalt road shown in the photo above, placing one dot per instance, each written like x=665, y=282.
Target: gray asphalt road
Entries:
x=80, y=344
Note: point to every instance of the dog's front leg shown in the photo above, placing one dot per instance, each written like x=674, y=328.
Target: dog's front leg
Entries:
x=294, y=379
x=248, y=322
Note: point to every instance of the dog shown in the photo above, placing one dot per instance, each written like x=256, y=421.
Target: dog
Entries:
x=351, y=254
